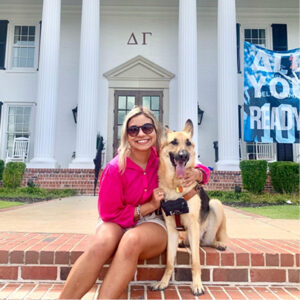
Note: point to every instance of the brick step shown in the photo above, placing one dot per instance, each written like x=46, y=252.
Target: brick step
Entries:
x=43, y=257
x=21, y=290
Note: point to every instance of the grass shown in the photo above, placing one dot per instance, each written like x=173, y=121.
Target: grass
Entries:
x=272, y=205
x=6, y=204
x=11, y=197
x=275, y=212
x=249, y=199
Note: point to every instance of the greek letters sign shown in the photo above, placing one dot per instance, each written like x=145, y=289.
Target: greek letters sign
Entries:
x=271, y=95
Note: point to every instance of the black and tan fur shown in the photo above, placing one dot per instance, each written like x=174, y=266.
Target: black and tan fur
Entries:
x=205, y=224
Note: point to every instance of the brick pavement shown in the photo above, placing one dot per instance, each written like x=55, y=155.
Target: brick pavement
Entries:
x=142, y=291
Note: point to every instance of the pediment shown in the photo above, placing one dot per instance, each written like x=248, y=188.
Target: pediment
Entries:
x=138, y=68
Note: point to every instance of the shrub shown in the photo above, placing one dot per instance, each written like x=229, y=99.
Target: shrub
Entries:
x=284, y=176
x=13, y=174
x=254, y=175
x=1, y=168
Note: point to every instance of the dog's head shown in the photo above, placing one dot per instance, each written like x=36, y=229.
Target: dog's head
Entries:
x=178, y=149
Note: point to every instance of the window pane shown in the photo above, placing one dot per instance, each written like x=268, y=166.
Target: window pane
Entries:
x=146, y=101
x=23, y=52
x=121, y=116
x=119, y=131
x=155, y=103
x=122, y=102
x=156, y=113
x=22, y=62
x=32, y=30
x=254, y=33
x=17, y=30
x=247, y=34
x=130, y=102
x=24, y=30
x=261, y=33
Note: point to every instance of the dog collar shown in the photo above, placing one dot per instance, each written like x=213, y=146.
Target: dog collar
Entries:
x=188, y=195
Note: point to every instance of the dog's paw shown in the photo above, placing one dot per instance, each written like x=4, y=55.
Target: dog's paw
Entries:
x=221, y=246
x=198, y=290
x=159, y=286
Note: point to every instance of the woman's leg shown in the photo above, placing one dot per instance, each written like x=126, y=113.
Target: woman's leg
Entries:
x=144, y=241
x=87, y=267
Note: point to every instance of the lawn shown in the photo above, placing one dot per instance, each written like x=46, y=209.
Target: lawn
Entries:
x=272, y=205
x=18, y=196
x=275, y=211
x=6, y=204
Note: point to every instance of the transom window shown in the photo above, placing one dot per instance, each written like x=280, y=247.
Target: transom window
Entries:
x=126, y=100
x=23, y=46
x=256, y=36
x=18, y=124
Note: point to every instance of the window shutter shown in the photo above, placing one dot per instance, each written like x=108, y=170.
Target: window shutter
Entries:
x=279, y=34
x=3, y=35
x=238, y=43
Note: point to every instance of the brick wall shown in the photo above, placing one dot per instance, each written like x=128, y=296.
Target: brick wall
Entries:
x=83, y=180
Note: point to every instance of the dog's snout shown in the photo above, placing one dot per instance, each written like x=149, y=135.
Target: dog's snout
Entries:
x=183, y=155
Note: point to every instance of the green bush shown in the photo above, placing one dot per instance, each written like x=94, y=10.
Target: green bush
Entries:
x=254, y=175
x=1, y=168
x=13, y=174
x=284, y=176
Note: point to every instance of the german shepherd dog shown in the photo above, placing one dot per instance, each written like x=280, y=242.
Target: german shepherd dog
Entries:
x=205, y=220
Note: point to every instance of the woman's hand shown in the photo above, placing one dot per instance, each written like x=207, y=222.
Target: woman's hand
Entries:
x=157, y=196
x=191, y=176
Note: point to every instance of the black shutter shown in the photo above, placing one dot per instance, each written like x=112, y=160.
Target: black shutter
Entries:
x=279, y=34
x=238, y=46
x=3, y=35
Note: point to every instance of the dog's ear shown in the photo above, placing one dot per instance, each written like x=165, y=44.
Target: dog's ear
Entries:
x=167, y=130
x=189, y=127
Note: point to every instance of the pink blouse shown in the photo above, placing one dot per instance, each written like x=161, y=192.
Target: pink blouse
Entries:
x=119, y=194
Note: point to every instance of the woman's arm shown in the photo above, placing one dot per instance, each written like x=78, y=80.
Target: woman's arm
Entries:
x=200, y=173
x=110, y=201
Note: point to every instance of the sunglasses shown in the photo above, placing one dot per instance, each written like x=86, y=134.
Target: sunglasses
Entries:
x=134, y=130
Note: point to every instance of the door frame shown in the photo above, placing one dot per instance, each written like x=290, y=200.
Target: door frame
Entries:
x=138, y=74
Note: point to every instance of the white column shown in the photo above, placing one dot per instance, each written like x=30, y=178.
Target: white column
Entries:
x=88, y=85
x=227, y=88
x=47, y=87
x=187, y=66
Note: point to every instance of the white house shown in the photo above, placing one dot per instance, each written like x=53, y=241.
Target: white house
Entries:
x=104, y=56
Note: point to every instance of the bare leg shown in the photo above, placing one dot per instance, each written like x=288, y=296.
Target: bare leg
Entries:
x=87, y=267
x=144, y=241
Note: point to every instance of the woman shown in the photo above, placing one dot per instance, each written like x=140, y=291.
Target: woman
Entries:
x=129, y=228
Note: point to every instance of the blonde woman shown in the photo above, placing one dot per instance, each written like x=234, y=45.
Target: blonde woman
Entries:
x=129, y=228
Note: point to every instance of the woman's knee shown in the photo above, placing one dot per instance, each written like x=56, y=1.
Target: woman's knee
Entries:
x=131, y=244
x=104, y=241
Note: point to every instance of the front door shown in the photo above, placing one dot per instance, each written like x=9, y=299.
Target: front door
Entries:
x=126, y=100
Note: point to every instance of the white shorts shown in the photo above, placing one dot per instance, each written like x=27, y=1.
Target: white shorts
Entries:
x=152, y=218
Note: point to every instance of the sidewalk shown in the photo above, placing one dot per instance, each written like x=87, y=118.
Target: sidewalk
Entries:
x=79, y=215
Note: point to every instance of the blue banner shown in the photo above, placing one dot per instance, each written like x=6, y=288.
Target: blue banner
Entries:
x=271, y=95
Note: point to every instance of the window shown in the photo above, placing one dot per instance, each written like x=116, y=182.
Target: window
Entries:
x=18, y=124
x=126, y=100
x=256, y=36
x=24, y=44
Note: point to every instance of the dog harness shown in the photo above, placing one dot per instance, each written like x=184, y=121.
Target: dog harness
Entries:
x=178, y=206
x=186, y=197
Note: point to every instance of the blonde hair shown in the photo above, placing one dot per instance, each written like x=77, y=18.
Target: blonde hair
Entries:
x=124, y=148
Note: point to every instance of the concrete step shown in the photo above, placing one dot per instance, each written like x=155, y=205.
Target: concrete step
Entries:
x=21, y=290
x=43, y=257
